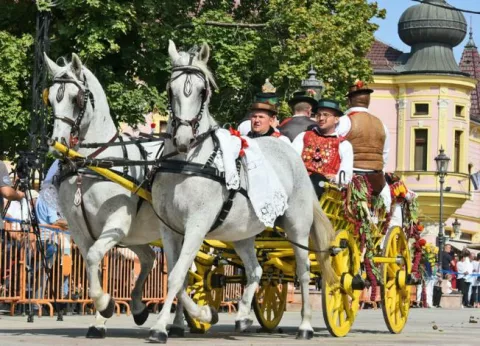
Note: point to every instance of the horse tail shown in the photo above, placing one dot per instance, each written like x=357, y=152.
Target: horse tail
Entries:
x=322, y=234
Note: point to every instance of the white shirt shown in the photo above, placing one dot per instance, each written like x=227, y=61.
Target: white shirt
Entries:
x=346, y=157
x=344, y=125
x=465, y=267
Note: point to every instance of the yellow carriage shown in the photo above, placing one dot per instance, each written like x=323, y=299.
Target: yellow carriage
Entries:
x=389, y=255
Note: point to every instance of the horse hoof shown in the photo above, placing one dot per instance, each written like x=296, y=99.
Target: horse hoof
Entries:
x=108, y=312
x=96, y=333
x=243, y=325
x=214, y=313
x=176, y=332
x=158, y=337
x=305, y=334
x=141, y=317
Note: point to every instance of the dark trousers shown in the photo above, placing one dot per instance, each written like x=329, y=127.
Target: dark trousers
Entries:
x=437, y=295
x=464, y=287
x=473, y=297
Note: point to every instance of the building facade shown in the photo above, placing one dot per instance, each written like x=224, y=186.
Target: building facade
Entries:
x=428, y=101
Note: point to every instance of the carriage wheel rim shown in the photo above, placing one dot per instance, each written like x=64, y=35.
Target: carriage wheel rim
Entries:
x=338, y=306
x=269, y=303
x=395, y=295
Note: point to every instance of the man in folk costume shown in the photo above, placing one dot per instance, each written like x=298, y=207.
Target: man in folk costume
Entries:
x=369, y=138
x=268, y=95
x=325, y=154
x=263, y=118
x=302, y=105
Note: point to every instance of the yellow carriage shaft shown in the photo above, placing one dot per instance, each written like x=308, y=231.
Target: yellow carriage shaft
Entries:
x=116, y=178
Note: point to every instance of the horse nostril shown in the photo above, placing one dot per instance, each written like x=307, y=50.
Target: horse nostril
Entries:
x=191, y=140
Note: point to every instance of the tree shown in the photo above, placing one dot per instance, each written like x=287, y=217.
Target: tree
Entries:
x=124, y=43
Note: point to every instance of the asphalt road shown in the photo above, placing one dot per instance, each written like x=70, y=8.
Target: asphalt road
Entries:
x=425, y=327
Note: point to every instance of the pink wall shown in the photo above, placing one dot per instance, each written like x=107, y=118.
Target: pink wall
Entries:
x=386, y=110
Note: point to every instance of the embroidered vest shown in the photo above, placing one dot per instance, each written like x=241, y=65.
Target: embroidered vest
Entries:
x=367, y=137
x=321, y=154
x=292, y=127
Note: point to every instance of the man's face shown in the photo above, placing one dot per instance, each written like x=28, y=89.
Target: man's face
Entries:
x=326, y=120
x=448, y=248
x=261, y=121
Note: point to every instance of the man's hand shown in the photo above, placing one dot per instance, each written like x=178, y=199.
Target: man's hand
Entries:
x=62, y=223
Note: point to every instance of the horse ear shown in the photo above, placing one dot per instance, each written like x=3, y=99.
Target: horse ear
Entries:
x=204, y=53
x=53, y=68
x=76, y=65
x=172, y=51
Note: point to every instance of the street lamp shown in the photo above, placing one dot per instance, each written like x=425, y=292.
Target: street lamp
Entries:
x=456, y=229
x=442, y=161
x=313, y=83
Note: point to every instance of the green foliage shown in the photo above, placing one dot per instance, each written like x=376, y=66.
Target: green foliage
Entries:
x=14, y=90
x=124, y=43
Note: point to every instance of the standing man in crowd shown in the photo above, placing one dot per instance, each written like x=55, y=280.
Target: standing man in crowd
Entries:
x=302, y=105
x=325, y=154
x=369, y=139
x=6, y=190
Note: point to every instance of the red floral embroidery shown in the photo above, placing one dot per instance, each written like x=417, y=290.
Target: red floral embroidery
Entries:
x=234, y=132
x=321, y=154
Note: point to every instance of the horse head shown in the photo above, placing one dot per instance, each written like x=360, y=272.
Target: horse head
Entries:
x=72, y=96
x=189, y=92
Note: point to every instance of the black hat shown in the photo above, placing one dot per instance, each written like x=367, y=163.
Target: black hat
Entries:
x=359, y=87
x=330, y=104
x=302, y=96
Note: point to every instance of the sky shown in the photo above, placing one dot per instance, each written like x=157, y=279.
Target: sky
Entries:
x=388, y=30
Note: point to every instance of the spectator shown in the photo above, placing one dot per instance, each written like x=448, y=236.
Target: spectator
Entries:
x=447, y=259
x=474, y=287
x=437, y=289
x=6, y=190
x=48, y=214
x=453, y=268
x=464, y=268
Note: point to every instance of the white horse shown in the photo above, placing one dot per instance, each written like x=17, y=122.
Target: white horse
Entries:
x=189, y=204
x=100, y=213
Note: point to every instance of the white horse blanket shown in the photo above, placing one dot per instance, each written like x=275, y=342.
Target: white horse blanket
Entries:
x=268, y=197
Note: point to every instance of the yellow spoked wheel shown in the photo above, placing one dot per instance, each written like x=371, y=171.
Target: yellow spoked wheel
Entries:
x=395, y=291
x=202, y=291
x=340, y=303
x=269, y=303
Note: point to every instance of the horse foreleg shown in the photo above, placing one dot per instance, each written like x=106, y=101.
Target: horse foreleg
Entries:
x=147, y=257
x=176, y=279
x=103, y=301
x=246, y=250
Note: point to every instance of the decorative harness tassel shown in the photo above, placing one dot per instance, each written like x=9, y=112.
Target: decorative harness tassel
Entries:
x=78, y=194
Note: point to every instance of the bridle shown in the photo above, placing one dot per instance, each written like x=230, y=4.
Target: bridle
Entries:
x=81, y=100
x=190, y=71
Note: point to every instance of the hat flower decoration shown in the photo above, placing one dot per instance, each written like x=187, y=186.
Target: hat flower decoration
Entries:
x=359, y=84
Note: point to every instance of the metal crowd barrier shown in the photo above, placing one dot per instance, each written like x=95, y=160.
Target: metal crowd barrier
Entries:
x=23, y=279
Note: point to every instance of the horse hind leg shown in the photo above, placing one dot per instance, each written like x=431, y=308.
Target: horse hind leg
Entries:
x=147, y=258
x=298, y=231
x=246, y=251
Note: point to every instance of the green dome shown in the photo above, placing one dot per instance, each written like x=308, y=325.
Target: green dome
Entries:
x=429, y=23
x=432, y=29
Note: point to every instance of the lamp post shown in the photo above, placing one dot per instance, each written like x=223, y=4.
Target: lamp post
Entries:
x=313, y=83
x=456, y=229
x=442, y=161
